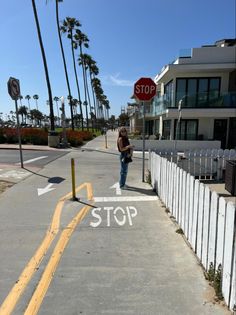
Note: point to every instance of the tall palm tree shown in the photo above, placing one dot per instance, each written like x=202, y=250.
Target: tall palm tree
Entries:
x=107, y=107
x=62, y=52
x=75, y=104
x=69, y=26
x=98, y=92
x=45, y=66
x=36, y=97
x=81, y=61
x=86, y=60
x=93, y=71
x=56, y=99
x=82, y=40
x=28, y=97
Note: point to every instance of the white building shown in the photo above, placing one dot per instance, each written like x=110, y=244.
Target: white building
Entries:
x=202, y=83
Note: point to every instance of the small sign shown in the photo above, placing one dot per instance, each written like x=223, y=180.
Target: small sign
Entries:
x=13, y=88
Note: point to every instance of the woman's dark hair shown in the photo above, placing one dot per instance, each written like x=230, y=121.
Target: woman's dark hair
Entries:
x=120, y=132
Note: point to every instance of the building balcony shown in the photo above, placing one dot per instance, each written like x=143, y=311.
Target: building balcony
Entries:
x=201, y=100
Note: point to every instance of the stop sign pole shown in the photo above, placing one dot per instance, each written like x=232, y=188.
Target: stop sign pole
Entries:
x=13, y=86
x=144, y=91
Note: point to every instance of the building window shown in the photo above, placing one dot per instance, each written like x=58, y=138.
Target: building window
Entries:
x=166, y=129
x=169, y=92
x=191, y=92
x=186, y=129
x=156, y=127
x=181, y=89
x=197, y=92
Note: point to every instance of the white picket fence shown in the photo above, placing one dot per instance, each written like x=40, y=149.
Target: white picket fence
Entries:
x=204, y=163
x=208, y=222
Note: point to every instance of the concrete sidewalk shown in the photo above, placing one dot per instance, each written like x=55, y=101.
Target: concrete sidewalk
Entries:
x=143, y=269
x=178, y=280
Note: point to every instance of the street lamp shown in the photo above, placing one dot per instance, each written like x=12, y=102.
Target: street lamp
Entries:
x=178, y=122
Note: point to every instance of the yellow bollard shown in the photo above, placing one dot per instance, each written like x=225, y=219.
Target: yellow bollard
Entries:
x=73, y=179
x=106, y=140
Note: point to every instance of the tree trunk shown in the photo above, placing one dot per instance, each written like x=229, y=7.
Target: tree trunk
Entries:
x=51, y=115
x=77, y=82
x=63, y=54
x=85, y=90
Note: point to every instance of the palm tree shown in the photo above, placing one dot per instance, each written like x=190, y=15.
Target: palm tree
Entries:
x=13, y=116
x=98, y=92
x=36, y=97
x=107, y=107
x=56, y=99
x=37, y=116
x=20, y=98
x=82, y=40
x=75, y=103
x=85, y=60
x=82, y=63
x=69, y=26
x=62, y=51
x=93, y=71
x=28, y=97
x=45, y=67
x=23, y=112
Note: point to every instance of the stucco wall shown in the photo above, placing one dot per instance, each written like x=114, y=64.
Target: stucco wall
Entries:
x=181, y=145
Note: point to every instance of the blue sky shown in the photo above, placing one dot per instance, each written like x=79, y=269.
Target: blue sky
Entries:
x=129, y=39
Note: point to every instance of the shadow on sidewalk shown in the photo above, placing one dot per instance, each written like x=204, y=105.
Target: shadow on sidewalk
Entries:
x=52, y=180
x=143, y=191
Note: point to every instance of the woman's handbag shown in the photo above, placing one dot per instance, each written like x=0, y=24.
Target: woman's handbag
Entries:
x=127, y=159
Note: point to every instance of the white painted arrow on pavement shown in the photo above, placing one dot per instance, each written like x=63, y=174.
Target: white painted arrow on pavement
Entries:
x=45, y=190
x=33, y=160
x=117, y=188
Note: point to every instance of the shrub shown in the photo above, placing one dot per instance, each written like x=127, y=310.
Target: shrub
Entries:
x=10, y=135
x=86, y=135
x=34, y=136
x=2, y=138
x=39, y=136
x=74, y=138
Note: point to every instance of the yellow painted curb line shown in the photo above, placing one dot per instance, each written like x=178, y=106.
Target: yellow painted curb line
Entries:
x=50, y=269
x=13, y=296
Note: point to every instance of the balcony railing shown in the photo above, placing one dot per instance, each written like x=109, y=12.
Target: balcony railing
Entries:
x=200, y=100
x=209, y=100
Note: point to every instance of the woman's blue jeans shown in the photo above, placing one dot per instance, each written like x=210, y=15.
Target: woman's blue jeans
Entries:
x=123, y=171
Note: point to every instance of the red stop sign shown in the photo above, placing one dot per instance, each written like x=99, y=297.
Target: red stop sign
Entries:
x=145, y=89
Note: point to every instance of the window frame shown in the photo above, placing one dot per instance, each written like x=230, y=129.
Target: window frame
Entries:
x=197, y=99
x=185, y=121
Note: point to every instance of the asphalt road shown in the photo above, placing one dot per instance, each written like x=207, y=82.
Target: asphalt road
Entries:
x=121, y=255
x=30, y=157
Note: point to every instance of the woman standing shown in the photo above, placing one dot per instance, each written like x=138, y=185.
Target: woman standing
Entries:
x=126, y=150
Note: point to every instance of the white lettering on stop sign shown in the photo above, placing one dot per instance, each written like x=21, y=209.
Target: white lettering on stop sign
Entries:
x=146, y=89
x=152, y=89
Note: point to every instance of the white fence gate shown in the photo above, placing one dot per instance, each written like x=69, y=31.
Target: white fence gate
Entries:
x=208, y=222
